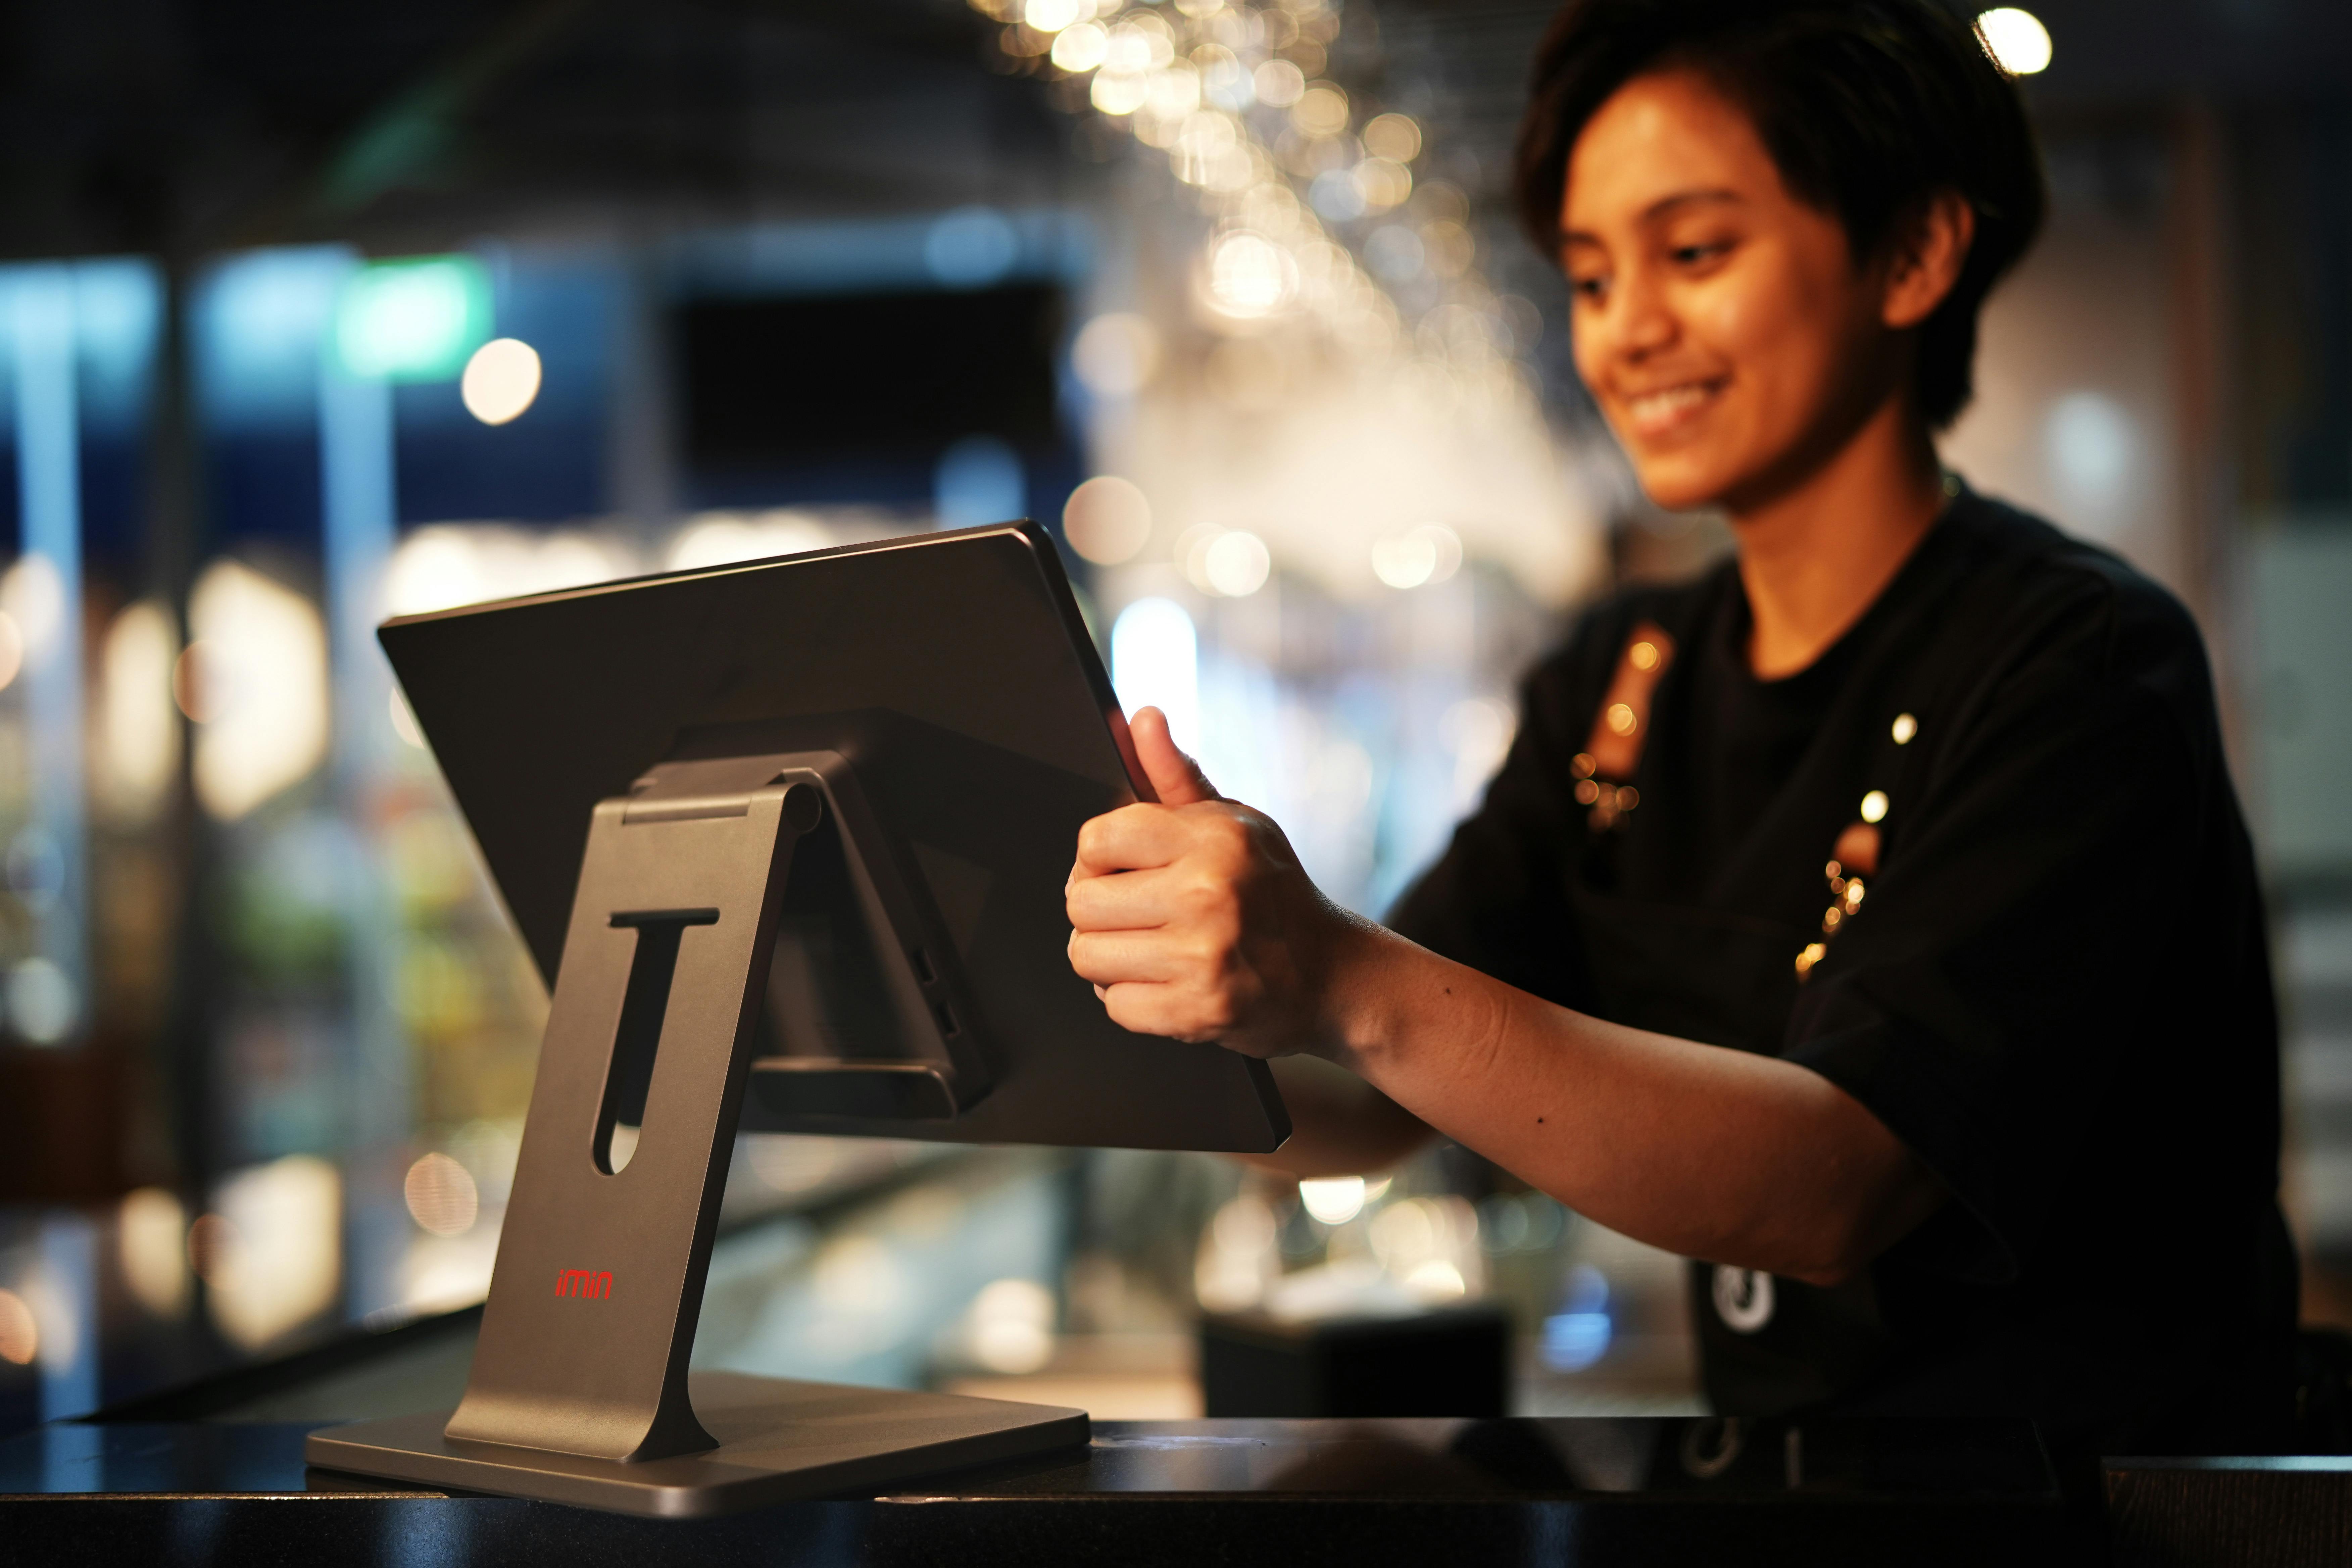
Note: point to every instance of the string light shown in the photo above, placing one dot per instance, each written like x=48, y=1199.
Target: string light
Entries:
x=1324, y=214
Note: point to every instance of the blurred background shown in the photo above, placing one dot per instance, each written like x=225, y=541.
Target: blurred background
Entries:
x=314, y=314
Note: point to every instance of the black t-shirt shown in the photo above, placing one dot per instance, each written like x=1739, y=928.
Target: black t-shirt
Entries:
x=2057, y=993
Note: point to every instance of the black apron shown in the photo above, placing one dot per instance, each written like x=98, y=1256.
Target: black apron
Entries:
x=1767, y=1345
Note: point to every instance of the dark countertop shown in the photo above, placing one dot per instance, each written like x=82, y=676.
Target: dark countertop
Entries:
x=1596, y=1490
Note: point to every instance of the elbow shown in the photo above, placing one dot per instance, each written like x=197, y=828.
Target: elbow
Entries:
x=1840, y=1249
x=1846, y=1245
x=1853, y=1222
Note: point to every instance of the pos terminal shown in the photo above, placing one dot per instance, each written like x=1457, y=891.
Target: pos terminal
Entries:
x=788, y=840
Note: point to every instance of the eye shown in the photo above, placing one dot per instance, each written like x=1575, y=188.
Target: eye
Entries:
x=1590, y=290
x=1700, y=253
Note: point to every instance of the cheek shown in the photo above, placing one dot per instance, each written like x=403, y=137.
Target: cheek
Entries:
x=1782, y=336
x=1749, y=321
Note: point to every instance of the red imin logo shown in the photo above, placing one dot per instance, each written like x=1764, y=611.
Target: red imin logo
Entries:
x=585, y=1284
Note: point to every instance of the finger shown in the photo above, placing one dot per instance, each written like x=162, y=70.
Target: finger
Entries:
x=1169, y=1011
x=1132, y=839
x=1176, y=778
x=1138, y=901
x=1117, y=958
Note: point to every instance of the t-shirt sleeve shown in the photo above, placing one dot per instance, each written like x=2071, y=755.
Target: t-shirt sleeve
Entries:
x=1498, y=899
x=1983, y=999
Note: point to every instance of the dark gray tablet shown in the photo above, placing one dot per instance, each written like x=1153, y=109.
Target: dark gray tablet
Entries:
x=941, y=695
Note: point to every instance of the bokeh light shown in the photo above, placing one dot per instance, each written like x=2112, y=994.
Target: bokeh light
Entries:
x=1011, y=1326
x=42, y=1004
x=1249, y=276
x=415, y=319
x=1117, y=354
x=1142, y=41
x=1334, y=1200
x=971, y=247
x=1155, y=661
x=1393, y=136
x=138, y=749
x=33, y=597
x=2016, y=40
x=1237, y=1258
x=272, y=1249
x=1321, y=111
x=1427, y=553
x=1236, y=563
x=1080, y=48
x=153, y=1226
x=501, y=381
x=1108, y=521
x=441, y=1195
x=1052, y=15
x=1578, y=1334
x=1117, y=94
x=1279, y=83
x=260, y=687
x=1383, y=184
x=723, y=538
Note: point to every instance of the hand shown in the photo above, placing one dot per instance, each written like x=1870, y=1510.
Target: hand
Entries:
x=1194, y=920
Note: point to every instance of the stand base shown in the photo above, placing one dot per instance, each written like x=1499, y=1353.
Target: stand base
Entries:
x=778, y=1441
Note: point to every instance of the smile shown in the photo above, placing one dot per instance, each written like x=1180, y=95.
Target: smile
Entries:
x=1657, y=413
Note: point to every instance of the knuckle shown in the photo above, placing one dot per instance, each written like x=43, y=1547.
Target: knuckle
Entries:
x=1208, y=951
x=1204, y=899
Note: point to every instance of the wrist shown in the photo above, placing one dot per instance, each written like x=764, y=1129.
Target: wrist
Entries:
x=1359, y=1014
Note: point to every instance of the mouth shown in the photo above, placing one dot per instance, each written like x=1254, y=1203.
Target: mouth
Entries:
x=1650, y=414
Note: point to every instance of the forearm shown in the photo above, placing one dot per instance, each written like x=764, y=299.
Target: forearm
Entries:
x=1339, y=1125
x=1194, y=920
x=1713, y=1153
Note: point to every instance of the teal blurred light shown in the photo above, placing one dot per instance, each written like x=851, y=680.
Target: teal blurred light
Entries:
x=412, y=320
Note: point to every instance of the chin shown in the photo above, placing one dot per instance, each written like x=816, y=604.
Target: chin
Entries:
x=1678, y=484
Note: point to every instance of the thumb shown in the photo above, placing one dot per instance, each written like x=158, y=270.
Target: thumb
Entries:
x=1175, y=777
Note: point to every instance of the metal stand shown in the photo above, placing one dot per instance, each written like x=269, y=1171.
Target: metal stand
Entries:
x=579, y=1391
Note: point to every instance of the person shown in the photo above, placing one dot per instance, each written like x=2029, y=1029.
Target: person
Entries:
x=1871, y=920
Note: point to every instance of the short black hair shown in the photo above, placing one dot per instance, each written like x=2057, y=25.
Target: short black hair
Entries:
x=1867, y=107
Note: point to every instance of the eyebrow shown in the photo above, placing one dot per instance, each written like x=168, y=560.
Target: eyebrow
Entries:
x=1662, y=207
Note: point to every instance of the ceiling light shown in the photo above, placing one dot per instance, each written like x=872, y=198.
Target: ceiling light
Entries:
x=2017, y=40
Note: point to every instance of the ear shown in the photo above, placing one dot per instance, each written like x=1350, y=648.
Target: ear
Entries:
x=1925, y=257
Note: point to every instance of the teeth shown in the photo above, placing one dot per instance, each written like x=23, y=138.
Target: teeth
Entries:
x=1664, y=405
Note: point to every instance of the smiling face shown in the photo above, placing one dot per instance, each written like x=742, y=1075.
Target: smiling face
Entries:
x=1723, y=325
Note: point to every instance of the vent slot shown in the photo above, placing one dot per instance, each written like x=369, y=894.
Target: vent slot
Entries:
x=629, y=1078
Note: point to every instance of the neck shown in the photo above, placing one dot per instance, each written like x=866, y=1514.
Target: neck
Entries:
x=1815, y=553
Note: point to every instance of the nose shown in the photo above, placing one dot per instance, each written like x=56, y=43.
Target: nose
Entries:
x=1633, y=323
x=1645, y=320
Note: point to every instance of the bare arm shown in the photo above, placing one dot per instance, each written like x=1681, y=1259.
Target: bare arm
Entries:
x=1194, y=921
x=1339, y=1125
